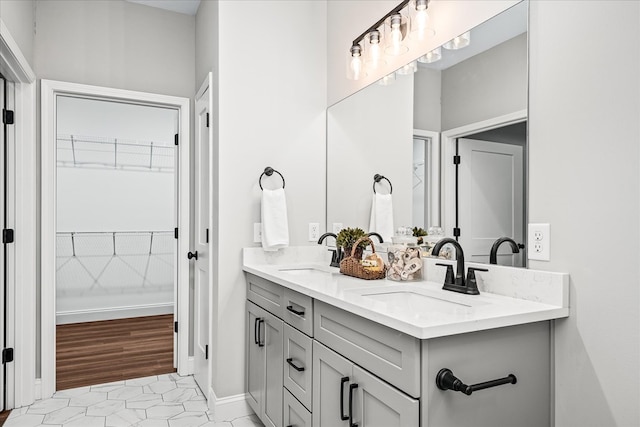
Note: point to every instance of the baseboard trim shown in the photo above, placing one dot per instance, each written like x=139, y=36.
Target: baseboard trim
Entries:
x=79, y=316
x=228, y=408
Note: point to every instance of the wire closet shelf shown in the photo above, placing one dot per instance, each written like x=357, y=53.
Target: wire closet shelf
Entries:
x=115, y=153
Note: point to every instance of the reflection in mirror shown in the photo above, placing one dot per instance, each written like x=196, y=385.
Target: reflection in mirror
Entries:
x=471, y=103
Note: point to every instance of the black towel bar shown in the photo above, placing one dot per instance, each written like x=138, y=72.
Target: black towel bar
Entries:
x=445, y=380
x=268, y=171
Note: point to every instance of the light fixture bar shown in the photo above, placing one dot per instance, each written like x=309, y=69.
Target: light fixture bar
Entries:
x=375, y=26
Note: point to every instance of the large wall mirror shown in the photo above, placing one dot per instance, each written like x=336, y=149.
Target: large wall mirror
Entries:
x=471, y=105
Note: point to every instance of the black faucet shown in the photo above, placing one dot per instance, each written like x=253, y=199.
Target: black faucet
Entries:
x=458, y=284
x=493, y=255
x=373, y=233
x=336, y=254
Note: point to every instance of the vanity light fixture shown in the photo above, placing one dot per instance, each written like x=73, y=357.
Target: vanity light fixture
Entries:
x=395, y=27
x=407, y=69
x=419, y=20
x=388, y=79
x=373, y=49
x=459, y=42
x=354, y=71
x=431, y=57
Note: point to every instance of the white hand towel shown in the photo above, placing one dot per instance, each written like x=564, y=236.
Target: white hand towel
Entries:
x=275, y=225
x=382, y=216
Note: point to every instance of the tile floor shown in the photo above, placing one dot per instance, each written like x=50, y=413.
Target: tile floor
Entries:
x=157, y=401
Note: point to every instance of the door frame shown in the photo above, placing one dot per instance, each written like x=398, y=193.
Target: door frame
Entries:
x=448, y=168
x=22, y=282
x=433, y=171
x=50, y=89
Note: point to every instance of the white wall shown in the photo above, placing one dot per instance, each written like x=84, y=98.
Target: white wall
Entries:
x=584, y=139
x=19, y=17
x=117, y=44
x=272, y=102
x=485, y=86
x=364, y=132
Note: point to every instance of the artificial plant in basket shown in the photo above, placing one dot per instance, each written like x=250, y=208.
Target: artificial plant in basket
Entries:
x=347, y=237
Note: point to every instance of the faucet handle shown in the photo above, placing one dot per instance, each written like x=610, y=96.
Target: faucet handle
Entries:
x=449, y=278
x=472, y=284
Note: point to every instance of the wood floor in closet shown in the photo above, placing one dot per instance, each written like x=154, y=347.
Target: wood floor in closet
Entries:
x=113, y=350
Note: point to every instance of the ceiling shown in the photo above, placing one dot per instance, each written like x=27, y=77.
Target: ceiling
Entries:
x=188, y=7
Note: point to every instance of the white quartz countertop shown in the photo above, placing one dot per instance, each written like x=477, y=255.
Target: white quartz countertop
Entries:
x=421, y=308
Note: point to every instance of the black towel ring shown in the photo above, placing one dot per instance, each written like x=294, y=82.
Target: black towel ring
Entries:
x=377, y=178
x=269, y=171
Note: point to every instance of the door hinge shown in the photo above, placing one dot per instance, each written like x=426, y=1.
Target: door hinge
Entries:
x=175, y=139
x=206, y=352
x=207, y=119
x=7, y=117
x=456, y=160
x=175, y=233
x=7, y=236
x=175, y=327
x=456, y=232
x=7, y=355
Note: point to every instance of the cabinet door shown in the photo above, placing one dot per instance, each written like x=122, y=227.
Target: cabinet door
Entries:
x=295, y=415
x=377, y=404
x=255, y=358
x=332, y=374
x=298, y=365
x=273, y=329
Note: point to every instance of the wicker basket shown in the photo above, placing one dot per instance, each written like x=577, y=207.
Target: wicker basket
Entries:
x=352, y=266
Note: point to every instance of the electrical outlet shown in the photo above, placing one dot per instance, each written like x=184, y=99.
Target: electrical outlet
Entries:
x=257, y=232
x=337, y=226
x=314, y=231
x=539, y=238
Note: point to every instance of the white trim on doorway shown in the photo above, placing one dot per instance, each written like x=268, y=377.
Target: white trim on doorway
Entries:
x=433, y=169
x=21, y=315
x=49, y=91
x=448, y=151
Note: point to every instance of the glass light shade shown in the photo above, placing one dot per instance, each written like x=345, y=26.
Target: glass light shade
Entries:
x=459, y=42
x=433, y=56
x=355, y=66
x=374, y=50
x=387, y=80
x=420, y=28
x=410, y=68
x=395, y=28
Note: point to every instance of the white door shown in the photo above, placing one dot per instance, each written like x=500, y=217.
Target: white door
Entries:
x=202, y=246
x=490, y=199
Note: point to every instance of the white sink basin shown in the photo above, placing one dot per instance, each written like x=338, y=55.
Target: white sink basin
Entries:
x=301, y=271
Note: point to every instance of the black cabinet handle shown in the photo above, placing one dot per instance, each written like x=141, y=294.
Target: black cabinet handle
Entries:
x=260, y=341
x=255, y=331
x=193, y=255
x=343, y=417
x=351, y=388
x=297, y=368
x=294, y=311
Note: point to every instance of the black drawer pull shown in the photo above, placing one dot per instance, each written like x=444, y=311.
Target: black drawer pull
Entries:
x=255, y=331
x=351, y=388
x=260, y=340
x=293, y=365
x=343, y=417
x=294, y=311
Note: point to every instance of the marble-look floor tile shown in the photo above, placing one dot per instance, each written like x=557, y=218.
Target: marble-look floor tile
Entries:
x=105, y=408
x=189, y=419
x=86, y=422
x=107, y=387
x=152, y=423
x=124, y=393
x=141, y=381
x=24, y=420
x=195, y=405
x=65, y=415
x=144, y=401
x=249, y=421
x=165, y=411
x=215, y=424
x=179, y=395
x=160, y=387
x=88, y=399
x=47, y=406
x=125, y=418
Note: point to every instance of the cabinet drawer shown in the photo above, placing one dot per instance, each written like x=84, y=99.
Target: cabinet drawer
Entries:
x=297, y=354
x=295, y=415
x=389, y=354
x=266, y=294
x=298, y=311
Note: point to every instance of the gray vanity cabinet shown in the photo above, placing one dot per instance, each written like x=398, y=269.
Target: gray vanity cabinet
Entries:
x=264, y=368
x=343, y=389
